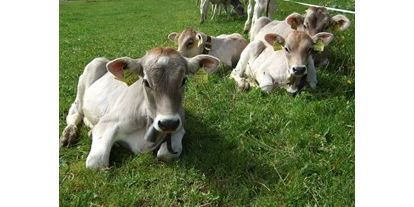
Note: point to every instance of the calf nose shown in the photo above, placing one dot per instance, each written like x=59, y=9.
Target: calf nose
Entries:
x=299, y=69
x=169, y=125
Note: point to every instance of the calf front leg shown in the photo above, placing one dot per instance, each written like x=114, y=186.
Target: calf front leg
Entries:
x=249, y=16
x=102, y=142
x=74, y=117
x=311, y=74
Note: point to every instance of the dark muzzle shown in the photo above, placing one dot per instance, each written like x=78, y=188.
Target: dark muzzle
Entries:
x=169, y=125
x=299, y=70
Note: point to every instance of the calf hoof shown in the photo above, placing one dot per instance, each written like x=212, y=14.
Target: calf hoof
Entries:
x=94, y=162
x=69, y=136
x=243, y=85
x=165, y=155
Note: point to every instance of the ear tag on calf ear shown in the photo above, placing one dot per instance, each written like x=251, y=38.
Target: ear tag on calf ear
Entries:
x=201, y=76
x=129, y=77
x=199, y=43
x=336, y=28
x=318, y=46
x=277, y=46
x=176, y=41
x=294, y=25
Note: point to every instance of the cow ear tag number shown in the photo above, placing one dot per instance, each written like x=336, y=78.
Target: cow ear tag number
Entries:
x=318, y=46
x=277, y=46
x=201, y=76
x=129, y=77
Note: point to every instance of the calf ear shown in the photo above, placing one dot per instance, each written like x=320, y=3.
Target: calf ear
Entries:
x=209, y=62
x=174, y=36
x=339, y=23
x=295, y=20
x=117, y=66
x=324, y=36
x=272, y=38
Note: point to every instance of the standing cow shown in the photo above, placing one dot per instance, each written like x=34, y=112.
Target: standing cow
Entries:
x=137, y=103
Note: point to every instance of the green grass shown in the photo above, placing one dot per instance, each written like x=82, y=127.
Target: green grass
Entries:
x=241, y=148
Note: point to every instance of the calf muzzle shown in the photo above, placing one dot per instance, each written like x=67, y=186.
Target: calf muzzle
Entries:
x=298, y=70
x=169, y=125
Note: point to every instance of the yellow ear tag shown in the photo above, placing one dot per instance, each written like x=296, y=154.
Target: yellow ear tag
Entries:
x=318, y=46
x=336, y=28
x=199, y=43
x=277, y=46
x=201, y=76
x=176, y=41
x=129, y=77
x=294, y=25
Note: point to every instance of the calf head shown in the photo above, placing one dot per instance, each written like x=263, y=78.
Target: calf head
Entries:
x=317, y=19
x=297, y=48
x=163, y=72
x=190, y=42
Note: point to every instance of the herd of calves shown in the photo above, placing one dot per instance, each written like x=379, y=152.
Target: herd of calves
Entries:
x=138, y=102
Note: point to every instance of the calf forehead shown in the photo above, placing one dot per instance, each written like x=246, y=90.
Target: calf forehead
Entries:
x=164, y=67
x=317, y=17
x=187, y=33
x=298, y=40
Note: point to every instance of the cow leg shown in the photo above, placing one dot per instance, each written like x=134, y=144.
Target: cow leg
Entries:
x=69, y=134
x=203, y=10
x=249, y=16
x=176, y=144
x=265, y=81
x=214, y=10
x=227, y=8
x=102, y=142
x=92, y=72
x=272, y=8
x=250, y=52
x=311, y=77
x=256, y=13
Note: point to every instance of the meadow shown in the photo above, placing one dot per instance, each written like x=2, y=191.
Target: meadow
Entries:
x=240, y=148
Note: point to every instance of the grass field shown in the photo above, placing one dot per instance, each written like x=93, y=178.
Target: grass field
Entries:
x=241, y=148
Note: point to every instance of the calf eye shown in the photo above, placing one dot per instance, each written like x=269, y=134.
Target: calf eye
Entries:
x=190, y=43
x=286, y=49
x=184, y=80
x=145, y=82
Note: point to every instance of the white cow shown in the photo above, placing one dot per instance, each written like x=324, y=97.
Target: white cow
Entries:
x=277, y=61
x=315, y=20
x=268, y=7
x=227, y=48
x=143, y=113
